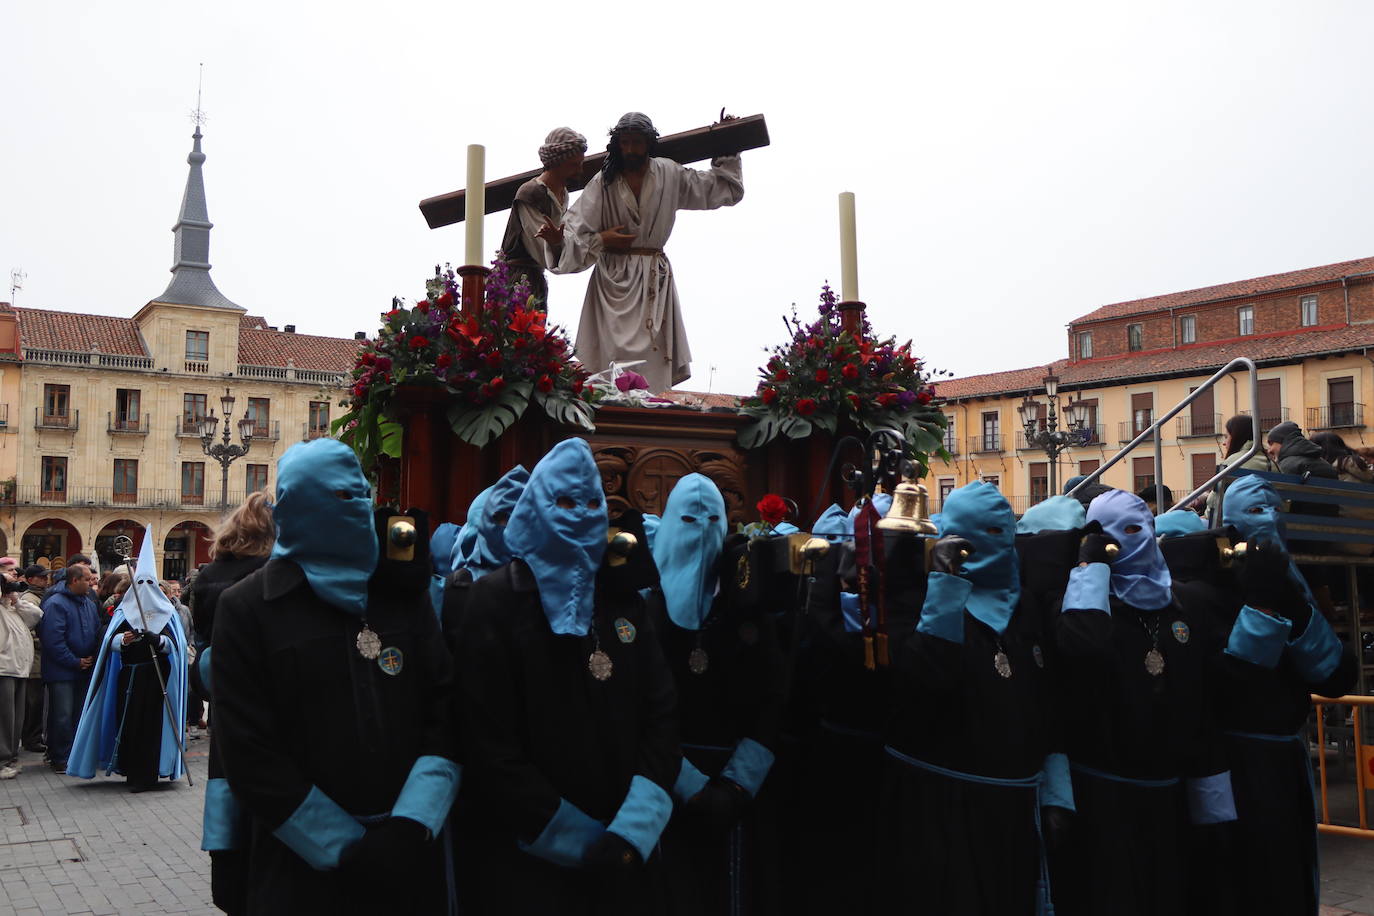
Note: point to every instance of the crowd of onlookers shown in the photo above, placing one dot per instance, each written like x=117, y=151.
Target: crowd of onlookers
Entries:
x=52, y=622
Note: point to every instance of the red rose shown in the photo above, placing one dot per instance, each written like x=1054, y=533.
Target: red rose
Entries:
x=772, y=508
x=577, y=386
x=445, y=301
x=822, y=376
x=497, y=384
x=924, y=396
x=853, y=401
x=887, y=399
x=493, y=358
x=806, y=407
x=444, y=361
x=545, y=384
x=837, y=354
x=768, y=395
x=850, y=371
x=781, y=375
x=422, y=306
x=419, y=342
x=367, y=359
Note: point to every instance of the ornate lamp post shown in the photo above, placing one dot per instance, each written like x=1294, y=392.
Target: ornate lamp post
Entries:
x=1051, y=438
x=223, y=451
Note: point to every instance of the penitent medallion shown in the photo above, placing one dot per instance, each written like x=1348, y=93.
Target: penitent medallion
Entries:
x=1154, y=662
x=1002, y=664
x=698, y=661
x=599, y=664
x=369, y=643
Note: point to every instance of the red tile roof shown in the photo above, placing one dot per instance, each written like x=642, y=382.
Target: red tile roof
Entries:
x=50, y=330
x=708, y=399
x=305, y=351
x=1259, y=285
x=256, y=322
x=1185, y=361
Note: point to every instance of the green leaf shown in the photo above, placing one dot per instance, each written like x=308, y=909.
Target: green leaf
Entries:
x=825, y=421
x=763, y=430
x=480, y=425
x=567, y=410
x=796, y=427
x=390, y=435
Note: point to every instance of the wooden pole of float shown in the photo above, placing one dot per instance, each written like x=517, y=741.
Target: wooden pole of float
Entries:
x=850, y=306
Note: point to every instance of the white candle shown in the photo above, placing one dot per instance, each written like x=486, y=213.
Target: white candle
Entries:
x=849, y=249
x=476, y=201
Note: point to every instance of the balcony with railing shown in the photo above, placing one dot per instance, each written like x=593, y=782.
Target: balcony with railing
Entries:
x=1337, y=416
x=1092, y=437
x=1200, y=426
x=985, y=444
x=128, y=425
x=292, y=374
x=1127, y=430
x=314, y=432
x=109, y=497
x=86, y=358
x=197, y=367
x=1269, y=417
x=269, y=431
x=4, y=416
x=951, y=445
x=64, y=419
x=189, y=426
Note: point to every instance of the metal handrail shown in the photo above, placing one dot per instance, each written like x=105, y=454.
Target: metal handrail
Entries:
x=1153, y=429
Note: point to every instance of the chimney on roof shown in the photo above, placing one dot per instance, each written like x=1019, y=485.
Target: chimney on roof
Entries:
x=360, y=335
x=290, y=329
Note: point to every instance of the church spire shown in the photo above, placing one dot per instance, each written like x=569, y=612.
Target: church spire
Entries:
x=191, y=283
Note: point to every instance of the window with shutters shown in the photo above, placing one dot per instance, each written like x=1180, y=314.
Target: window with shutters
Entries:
x=1309, y=311
x=951, y=435
x=992, y=480
x=1088, y=465
x=256, y=478
x=1340, y=396
x=193, y=482
x=1142, y=412
x=1135, y=336
x=1246, y=320
x=125, y=480
x=1039, y=481
x=1085, y=344
x=1187, y=329
x=946, y=487
x=198, y=345
x=992, y=437
x=1202, y=419
x=1204, y=466
x=54, y=479
x=1270, y=403
x=1142, y=473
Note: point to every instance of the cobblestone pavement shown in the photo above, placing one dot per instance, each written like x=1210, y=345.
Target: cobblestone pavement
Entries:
x=77, y=846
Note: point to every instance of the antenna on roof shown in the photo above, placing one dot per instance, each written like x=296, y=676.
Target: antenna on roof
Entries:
x=198, y=117
x=17, y=277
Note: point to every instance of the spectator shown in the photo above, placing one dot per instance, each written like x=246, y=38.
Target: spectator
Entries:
x=57, y=578
x=16, y=658
x=1234, y=443
x=37, y=579
x=1148, y=494
x=1295, y=454
x=70, y=631
x=1350, y=467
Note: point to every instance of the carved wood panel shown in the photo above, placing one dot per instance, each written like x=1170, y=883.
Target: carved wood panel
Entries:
x=642, y=476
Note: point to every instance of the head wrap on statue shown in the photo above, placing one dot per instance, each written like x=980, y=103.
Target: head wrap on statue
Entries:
x=834, y=525
x=561, y=143
x=1058, y=513
x=687, y=549
x=562, y=544
x=324, y=521
x=1178, y=522
x=979, y=513
x=1140, y=577
x=481, y=545
x=632, y=122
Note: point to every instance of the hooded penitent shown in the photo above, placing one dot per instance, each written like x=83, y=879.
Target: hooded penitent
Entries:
x=558, y=527
x=834, y=525
x=441, y=544
x=1255, y=510
x=324, y=521
x=1140, y=576
x=1178, y=522
x=687, y=549
x=981, y=515
x=1058, y=513
x=481, y=545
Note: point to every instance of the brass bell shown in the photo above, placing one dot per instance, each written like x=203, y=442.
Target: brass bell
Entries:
x=908, y=512
x=620, y=544
x=1230, y=555
x=400, y=538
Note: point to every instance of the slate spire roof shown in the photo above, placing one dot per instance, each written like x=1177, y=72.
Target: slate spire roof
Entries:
x=191, y=283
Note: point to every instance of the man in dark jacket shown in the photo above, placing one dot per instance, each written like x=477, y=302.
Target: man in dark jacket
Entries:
x=1295, y=454
x=70, y=633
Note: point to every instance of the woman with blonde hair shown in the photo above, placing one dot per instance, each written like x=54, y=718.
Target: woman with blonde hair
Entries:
x=241, y=545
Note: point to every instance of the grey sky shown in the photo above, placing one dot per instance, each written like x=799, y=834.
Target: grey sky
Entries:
x=1016, y=164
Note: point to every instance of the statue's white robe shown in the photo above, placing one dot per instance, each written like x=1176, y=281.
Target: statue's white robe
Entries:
x=631, y=308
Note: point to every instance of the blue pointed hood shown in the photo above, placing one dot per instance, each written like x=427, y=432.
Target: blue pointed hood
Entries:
x=1058, y=513
x=970, y=512
x=562, y=544
x=1178, y=522
x=441, y=546
x=324, y=521
x=687, y=549
x=1140, y=577
x=1255, y=509
x=651, y=523
x=483, y=538
x=145, y=605
x=834, y=525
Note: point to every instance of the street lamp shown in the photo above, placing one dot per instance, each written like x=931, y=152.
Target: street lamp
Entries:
x=223, y=451
x=1051, y=438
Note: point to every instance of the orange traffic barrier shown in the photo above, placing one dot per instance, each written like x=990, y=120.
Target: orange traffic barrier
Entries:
x=1364, y=765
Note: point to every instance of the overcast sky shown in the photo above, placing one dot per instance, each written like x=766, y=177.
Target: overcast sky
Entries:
x=1016, y=164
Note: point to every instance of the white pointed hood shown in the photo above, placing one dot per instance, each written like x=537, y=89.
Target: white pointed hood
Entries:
x=145, y=594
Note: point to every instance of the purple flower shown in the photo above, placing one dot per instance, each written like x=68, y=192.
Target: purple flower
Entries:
x=628, y=381
x=905, y=399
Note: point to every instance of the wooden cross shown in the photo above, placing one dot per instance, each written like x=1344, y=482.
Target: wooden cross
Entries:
x=723, y=139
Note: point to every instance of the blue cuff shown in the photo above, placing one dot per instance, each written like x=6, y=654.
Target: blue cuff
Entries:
x=690, y=781
x=1210, y=800
x=429, y=792
x=749, y=765
x=319, y=830
x=1317, y=652
x=203, y=666
x=566, y=837
x=1056, y=786
x=849, y=605
x=642, y=816
x=1258, y=638
x=1089, y=588
x=942, y=616
x=222, y=826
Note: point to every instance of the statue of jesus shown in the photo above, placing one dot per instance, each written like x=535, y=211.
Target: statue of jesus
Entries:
x=620, y=224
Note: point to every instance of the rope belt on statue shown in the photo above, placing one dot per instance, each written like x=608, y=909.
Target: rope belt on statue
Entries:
x=1044, y=906
x=643, y=252
x=1126, y=780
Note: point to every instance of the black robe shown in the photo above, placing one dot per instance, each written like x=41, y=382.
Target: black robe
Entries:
x=1262, y=711
x=1131, y=851
x=714, y=872
x=140, y=713
x=540, y=729
x=298, y=708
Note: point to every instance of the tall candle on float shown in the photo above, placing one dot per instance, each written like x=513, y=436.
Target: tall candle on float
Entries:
x=849, y=249
x=476, y=200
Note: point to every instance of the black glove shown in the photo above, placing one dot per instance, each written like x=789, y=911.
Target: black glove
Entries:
x=146, y=643
x=948, y=554
x=389, y=848
x=611, y=853
x=719, y=805
x=1264, y=578
x=1093, y=547
x=1055, y=824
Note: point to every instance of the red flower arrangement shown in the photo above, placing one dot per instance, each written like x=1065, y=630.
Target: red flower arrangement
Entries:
x=772, y=508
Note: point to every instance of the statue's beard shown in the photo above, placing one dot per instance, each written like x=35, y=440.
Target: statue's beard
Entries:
x=634, y=163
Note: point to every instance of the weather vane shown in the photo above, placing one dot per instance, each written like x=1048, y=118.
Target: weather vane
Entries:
x=198, y=116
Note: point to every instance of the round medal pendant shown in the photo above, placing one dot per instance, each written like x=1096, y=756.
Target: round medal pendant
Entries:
x=1154, y=662
x=369, y=643
x=1002, y=664
x=599, y=664
x=698, y=661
